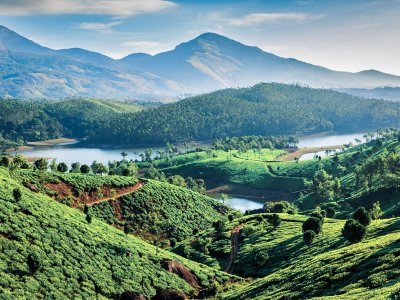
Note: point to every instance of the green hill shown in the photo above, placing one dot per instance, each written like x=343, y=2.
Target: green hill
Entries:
x=151, y=209
x=264, y=109
x=48, y=250
x=330, y=268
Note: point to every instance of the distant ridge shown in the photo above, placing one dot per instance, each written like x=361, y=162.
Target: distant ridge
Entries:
x=205, y=63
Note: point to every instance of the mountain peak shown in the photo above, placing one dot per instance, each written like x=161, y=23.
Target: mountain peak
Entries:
x=12, y=41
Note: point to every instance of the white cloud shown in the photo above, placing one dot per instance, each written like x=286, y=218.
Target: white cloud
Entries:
x=85, y=7
x=97, y=26
x=259, y=18
x=151, y=47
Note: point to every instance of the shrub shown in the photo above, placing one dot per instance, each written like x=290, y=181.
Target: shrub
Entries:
x=313, y=224
x=89, y=218
x=231, y=217
x=280, y=207
x=330, y=212
x=219, y=226
x=354, y=231
x=17, y=194
x=34, y=263
x=247, y=231
x=4, y=161
x=41, y=164
x=261, y=257
x=275, y=220
x=308, y=237
x=363, y=216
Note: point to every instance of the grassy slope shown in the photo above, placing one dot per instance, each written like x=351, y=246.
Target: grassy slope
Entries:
x=164, y=210
x=79, y=260
x=249, y=170
x=157, y=210
x=330, y=267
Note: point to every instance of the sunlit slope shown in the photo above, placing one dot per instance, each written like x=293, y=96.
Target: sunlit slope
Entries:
x=77, y=259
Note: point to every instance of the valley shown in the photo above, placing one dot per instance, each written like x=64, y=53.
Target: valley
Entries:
x=216, y=150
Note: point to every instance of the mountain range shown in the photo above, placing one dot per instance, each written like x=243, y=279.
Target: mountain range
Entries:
x=206, y=63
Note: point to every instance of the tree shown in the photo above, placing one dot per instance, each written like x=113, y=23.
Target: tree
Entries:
x=313, y=224
x=85, y=169
x=330, y=212
x=322, y=186
x=275, y=220
x=5, y=161
x=17, y=194
x=309, y=236
x=363, y=216
x=89, y=218
x=354, y=231
x=124, y=154
x=127, y=228
x=34, y=263
x=62, y=167
x=376, y=211
x=75, y=167
x=41, y=164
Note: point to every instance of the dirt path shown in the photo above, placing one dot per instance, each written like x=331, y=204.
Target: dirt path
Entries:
x=235, y=234
x=126, y=192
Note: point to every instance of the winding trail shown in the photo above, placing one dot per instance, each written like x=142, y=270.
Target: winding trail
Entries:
x=131, y=189
x=235, y=234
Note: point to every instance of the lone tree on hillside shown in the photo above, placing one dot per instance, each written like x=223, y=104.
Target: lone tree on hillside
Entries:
x=376, y=211
x=34, y=263
x=62, y=167
x=309, y=236
x=85, y=169
x=41, y=164
x=17, y=194
x=363, y=216
x=312, y=223
x=354, y=231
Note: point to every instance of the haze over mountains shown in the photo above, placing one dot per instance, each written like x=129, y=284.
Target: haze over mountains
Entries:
x=208, y=62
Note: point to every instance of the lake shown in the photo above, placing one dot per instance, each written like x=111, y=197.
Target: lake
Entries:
x=84, y=155
x=240, y=204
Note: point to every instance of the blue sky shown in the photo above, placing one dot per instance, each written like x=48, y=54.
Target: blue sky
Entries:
x=342, y=35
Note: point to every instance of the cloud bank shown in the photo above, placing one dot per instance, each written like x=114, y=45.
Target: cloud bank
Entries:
x=259, y=18
x=84, y=7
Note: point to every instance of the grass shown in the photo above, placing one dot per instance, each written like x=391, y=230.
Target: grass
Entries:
x=330, y=267
x=79, y=260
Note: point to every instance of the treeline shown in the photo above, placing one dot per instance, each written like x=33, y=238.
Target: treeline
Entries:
x=265, y=109
x=254, y=142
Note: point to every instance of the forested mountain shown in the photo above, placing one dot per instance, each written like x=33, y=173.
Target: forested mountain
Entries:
x=206, y=63
x=265, y=109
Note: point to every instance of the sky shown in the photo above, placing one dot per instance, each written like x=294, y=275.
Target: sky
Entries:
x=342, y=35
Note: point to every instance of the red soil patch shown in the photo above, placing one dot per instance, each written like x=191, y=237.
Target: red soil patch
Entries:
x=61, y=188
x=90, y=198
x=177, y=268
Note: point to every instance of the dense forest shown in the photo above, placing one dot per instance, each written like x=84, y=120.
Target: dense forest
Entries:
x=265, y=109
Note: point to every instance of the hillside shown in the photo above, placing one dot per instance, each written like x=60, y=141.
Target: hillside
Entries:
x=146, y=208
x=329, y=268
x=205, y=63
x=264, y=109
x=71, y=258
